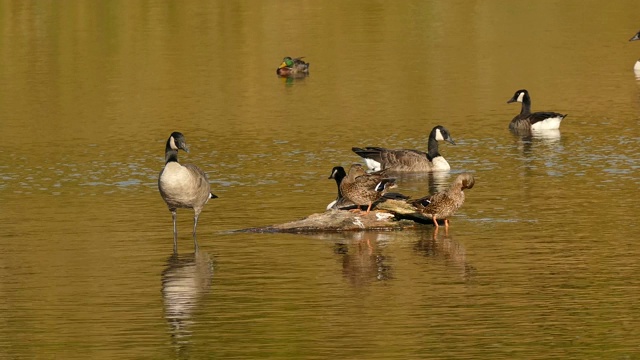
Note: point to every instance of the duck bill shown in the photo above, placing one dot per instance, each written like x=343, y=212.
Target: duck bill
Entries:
x=283, y=65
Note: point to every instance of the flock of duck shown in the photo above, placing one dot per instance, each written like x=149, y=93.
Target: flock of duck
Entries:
x=187, y=186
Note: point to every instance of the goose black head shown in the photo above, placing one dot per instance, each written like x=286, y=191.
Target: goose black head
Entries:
x=440, y=133
x=176, y=141
x=337, y=173
x=635, y=37
x=520, y=96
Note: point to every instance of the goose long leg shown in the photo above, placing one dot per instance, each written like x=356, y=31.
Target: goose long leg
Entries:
x=195, y=224
x=174, y=215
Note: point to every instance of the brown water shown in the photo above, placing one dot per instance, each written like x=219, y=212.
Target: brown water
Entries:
x=541, y=262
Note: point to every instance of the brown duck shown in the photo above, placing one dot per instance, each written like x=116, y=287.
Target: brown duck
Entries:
x=362, y=188
x=445, y=203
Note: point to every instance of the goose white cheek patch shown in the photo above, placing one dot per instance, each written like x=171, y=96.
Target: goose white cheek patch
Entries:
x=520, y=97
x=439, y=136
x=172, y=143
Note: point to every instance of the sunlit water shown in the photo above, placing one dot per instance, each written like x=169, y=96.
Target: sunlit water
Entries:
x=541, y=262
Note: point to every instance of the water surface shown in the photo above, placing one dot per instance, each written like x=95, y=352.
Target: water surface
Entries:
x=540, y=262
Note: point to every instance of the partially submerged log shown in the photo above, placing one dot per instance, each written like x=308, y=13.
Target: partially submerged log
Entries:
x=388, y=215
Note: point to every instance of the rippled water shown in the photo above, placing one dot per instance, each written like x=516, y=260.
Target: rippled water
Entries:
x=540, y=263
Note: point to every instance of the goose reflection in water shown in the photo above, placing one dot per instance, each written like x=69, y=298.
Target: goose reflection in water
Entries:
x=433, y=245
x=362, y=260
x=185, y=281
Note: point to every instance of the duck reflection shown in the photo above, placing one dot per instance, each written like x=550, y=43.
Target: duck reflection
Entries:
x=362, y=259
x=433, y=244
x=185, y=280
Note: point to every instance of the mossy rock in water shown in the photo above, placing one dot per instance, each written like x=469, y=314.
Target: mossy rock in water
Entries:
x=388, y=215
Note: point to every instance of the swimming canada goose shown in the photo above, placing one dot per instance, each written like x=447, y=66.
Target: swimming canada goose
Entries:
x=445, y=203
x=362, y=188
x=338, y=173
x=527, y=120
x=291, y=66
x=182, y=186
x=407, y=160
x=636, y=67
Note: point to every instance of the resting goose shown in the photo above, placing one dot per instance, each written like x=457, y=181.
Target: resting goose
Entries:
x=445, y=203
x=362, y=188
x=527, y=120
x=407, y=160
x=182, y=186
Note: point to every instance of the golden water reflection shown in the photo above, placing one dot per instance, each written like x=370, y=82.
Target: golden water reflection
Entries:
x=186, y=279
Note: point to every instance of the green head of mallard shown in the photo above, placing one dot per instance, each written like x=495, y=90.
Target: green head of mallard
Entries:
x=286, y=62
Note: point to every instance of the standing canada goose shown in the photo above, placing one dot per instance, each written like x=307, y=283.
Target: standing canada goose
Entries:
x=406, y=160
x=338, y=173
x=291, y=66
x=636, y=67
x=362, y=188
x=527, y=120
x=182, y=186
x=445, y=203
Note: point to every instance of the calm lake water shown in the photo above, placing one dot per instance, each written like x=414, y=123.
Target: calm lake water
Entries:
x=540, y=263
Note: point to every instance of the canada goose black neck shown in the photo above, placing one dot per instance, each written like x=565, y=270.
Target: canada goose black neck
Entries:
x=338, y=173
x=432, y=147
x=438, y=133
x=526, y=105
x=170, y=154
x=175, y=142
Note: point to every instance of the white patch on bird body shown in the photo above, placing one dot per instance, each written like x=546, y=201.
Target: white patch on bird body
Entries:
x=440, y=164
x=380, y=216
x=379, y=186
x=331, y=204
x=520, y=96
x=548, y=123
x=373, y=165
x=636, y=67
x=172, y=143
x=439, y=136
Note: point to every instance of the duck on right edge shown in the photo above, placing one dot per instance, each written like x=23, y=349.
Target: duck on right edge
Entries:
x=636, y=67
x=527, y=120
x=444, y=204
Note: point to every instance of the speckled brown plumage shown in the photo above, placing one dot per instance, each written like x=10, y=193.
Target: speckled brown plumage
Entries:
x=445, y=203
x=362, y=188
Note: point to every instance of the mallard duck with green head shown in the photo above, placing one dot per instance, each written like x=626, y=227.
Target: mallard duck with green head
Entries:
x=291, y=66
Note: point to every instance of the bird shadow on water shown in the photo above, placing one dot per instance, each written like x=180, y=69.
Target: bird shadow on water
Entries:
x=438, y=244
x=186, y=280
